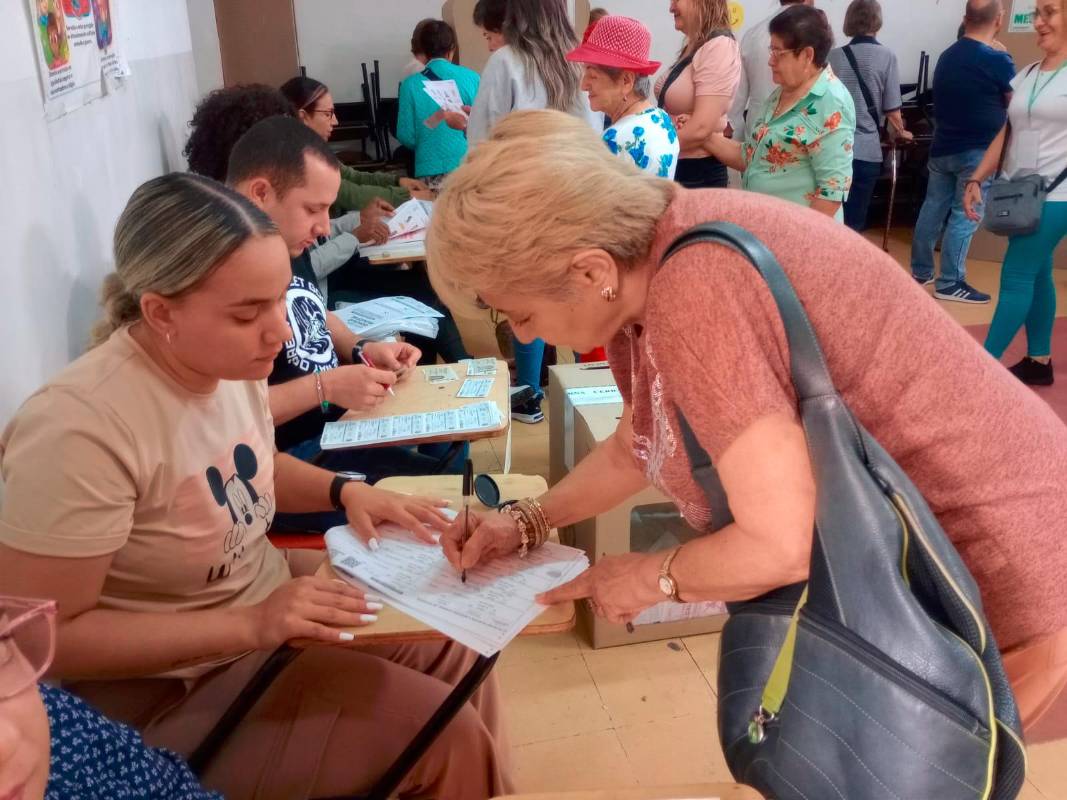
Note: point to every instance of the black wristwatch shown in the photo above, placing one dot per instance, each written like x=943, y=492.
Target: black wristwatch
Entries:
x=357, y=351
x=338, y=483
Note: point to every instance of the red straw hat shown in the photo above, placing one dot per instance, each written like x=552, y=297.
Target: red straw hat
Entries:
x=619, y=42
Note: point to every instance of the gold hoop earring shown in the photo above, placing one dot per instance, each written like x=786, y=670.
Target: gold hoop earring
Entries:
x=609, y=294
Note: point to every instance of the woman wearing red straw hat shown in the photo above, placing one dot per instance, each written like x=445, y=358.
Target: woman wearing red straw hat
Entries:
x=616, y=78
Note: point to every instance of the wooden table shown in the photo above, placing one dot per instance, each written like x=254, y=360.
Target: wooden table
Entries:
x=416, y=395
x=702, y=791
x=402, y=255
x=395, y=626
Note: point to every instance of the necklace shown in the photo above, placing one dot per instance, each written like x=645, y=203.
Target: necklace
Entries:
x=626, y=111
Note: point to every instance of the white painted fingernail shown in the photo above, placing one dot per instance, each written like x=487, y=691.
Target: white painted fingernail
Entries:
x=368, y=617
x=373, y=544
x=345, y=636
x=375, y=606
x=372, y=598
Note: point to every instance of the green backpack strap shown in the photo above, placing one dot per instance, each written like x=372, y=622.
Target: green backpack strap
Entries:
x=778, y=682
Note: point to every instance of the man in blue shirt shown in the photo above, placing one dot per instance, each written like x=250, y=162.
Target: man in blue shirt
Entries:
x=972, y=87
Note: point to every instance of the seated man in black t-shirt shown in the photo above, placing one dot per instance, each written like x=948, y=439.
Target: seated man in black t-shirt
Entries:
x=288, y=171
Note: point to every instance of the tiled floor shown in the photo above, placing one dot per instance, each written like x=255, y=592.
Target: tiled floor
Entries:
x=644, y=715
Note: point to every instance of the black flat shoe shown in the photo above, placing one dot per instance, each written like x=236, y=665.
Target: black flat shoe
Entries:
x=1033, y=373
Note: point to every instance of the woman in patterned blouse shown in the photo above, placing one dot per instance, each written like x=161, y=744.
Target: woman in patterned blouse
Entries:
x=615, y=58
x=55, y=746
x=801, y=144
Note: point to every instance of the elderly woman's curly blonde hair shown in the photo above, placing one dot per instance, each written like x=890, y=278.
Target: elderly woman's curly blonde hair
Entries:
x=542, y=188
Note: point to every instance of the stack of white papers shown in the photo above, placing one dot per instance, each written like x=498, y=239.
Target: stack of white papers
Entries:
x=445, y=94
x=365, y=432
x=388, y=316
x=407, y=232
x=485, y=613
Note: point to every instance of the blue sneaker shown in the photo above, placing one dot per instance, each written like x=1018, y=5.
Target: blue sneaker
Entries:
x=961, y=293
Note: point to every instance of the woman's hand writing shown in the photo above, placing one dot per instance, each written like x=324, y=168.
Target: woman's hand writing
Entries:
x=491, y=535
x=313, y=609
x=367, y=507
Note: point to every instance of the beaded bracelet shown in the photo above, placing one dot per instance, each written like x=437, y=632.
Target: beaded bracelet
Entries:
x=520, y=522
x=324, y=404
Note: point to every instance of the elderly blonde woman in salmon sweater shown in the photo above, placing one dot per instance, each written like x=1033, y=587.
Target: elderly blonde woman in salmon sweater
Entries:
x=577, y=262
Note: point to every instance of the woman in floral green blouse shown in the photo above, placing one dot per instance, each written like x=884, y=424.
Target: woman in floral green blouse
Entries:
x=801, y=144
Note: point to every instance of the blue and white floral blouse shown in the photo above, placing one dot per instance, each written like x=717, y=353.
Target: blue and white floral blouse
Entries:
x=94, y=758
x=649, y=139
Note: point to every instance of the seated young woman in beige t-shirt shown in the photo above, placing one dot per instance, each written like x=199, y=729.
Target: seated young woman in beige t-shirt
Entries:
x=139, y=486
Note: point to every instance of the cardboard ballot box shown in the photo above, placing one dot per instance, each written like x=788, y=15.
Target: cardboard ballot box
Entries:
x=584, y=409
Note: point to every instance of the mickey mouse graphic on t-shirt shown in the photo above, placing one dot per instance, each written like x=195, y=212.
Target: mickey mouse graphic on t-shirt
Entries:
x=245, y=505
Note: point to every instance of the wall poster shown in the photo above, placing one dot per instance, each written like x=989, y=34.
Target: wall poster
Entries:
x=76, y=51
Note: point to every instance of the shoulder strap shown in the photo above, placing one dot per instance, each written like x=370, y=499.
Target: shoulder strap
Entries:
x=808, y=365
x=679, y=68
x=429, y=74
x=867, y=98
x=672, y=76
x=1007, y=136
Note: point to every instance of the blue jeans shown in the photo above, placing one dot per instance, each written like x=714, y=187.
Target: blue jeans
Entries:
x=865, y=175
x=528, y=358
x=944, y=200
x=374, y=462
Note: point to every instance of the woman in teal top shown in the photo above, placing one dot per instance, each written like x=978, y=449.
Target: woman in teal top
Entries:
x=801, y=144
x=438, y=148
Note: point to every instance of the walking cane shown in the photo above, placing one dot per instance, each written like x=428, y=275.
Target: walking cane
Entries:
x=892, y=193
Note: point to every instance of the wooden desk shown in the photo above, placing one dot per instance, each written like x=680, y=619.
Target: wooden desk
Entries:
x=403, y=254
x=395, y=626
x=415, y=395
x=703, y=791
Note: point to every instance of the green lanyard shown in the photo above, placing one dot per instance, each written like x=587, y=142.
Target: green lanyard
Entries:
x=1035, y=92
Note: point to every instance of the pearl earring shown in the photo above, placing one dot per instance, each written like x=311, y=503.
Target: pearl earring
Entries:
x=168, y=336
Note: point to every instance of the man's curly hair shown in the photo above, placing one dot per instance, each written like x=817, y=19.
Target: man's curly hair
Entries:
x=222, y=117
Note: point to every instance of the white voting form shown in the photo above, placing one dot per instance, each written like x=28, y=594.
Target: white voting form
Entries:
x=380, y=430
x=485, y=613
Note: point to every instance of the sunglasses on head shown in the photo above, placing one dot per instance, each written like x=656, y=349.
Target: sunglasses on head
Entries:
x=27, y=642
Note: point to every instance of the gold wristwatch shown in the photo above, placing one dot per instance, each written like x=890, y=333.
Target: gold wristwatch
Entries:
x=667, y=583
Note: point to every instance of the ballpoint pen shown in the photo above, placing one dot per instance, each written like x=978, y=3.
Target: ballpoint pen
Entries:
x=468, y=488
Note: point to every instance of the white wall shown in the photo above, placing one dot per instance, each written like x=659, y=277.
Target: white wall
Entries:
x=204, y=34
x=65, y=182
x=335, y=36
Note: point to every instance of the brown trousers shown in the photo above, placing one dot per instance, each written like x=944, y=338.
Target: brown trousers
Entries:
x=1038, y=675
x=329, y=725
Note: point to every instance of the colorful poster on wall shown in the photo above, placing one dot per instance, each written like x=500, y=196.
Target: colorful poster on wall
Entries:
x=76, y=52
x=1022, y=17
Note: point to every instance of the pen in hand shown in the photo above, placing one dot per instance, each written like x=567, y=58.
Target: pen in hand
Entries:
x=468, y=487
x=368, y=363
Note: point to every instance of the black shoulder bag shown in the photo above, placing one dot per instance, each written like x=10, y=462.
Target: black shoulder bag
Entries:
x=883, y=680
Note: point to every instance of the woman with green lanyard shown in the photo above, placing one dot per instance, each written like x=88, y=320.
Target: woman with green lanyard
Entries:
x=1036, y=142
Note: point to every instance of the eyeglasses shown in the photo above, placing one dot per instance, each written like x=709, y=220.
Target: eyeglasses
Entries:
x=778, y=52
x=1044, y=13
x=27, y=643
x=329, y=113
